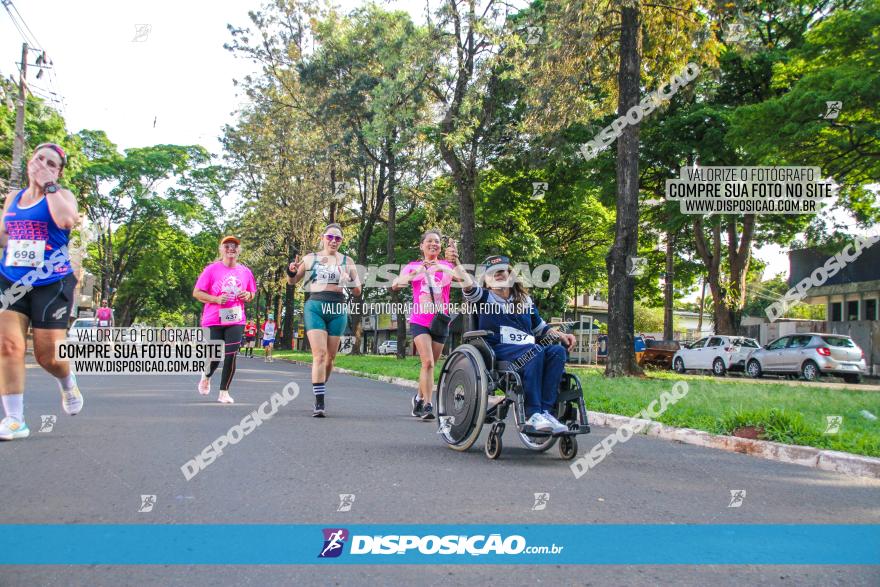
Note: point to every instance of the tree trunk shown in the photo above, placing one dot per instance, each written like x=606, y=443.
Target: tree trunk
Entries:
x=287, y=325
x=668, y=286
x=728, y=295
x=621, y=286
x=467, y=217
x=368, y=222
x=702, y=306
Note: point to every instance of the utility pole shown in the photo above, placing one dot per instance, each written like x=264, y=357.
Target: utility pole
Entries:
x=18, y=144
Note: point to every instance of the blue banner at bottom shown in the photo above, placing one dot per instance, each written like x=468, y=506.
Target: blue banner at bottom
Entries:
x=600, y=544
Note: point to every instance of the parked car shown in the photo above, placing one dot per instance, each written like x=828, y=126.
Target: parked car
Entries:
x=80, y=324
x=659, y=353
x=810, y=355
x=719, y=354
x=389, y=347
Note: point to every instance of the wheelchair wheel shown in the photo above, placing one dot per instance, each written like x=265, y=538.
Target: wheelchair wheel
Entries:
x=462, y=395
x=568, y=447
x=493, y=442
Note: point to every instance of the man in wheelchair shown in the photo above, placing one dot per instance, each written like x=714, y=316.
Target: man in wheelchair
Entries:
x=512, y=351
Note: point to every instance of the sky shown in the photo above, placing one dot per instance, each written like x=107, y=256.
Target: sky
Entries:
x=156, y=72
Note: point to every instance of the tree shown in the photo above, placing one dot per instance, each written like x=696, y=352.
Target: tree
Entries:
x=835, y=59
x=466, y=90
x=596, y=60
x=119, y=194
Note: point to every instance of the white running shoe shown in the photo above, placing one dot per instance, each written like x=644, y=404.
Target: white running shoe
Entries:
x=538, y=422
x=204, y=385
x=72, y=401
x=225, y=398
x=557, y=425
x=12, y=429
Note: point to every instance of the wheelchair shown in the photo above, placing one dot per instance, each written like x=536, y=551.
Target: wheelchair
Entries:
x=471, y=374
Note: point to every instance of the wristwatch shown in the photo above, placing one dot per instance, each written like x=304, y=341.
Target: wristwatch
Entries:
x=51, y=188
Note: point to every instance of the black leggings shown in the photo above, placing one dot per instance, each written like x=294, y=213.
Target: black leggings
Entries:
x=231, y=335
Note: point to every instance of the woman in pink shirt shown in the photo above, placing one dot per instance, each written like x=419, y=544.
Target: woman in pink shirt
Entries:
x=431, y=281
x=224, y=286
x=104, y=315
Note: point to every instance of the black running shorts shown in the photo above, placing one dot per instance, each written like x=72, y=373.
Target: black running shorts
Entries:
x=47, y=306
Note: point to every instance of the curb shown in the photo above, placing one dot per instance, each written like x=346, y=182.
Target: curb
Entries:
x=807, y=456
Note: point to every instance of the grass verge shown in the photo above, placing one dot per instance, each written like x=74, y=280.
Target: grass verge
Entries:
x=793, y=415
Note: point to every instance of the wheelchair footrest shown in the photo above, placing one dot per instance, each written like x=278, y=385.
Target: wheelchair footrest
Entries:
x=526, y=429
x=581, y=429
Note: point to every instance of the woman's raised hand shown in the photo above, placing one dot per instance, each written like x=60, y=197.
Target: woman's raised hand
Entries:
x=297, y=262
x=41, y=173
x=452, y=252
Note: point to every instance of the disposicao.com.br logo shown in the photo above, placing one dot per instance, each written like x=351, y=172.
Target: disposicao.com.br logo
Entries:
x=476, y=545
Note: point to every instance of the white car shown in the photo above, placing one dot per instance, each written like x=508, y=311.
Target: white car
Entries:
x=81, y=324
x=719, y=354
x=389, y=347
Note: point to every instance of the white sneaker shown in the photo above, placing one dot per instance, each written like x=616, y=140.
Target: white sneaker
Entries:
x=557, y=425
x=538, y=422
x=12, y=429
x=72, y=401
x=225, y=398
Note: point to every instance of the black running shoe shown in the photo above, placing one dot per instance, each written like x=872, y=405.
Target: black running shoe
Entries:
x=428, y=412
x=418, y=406
x=318, y=412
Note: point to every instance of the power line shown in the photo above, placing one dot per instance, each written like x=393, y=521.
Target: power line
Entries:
x=33, y=36
x=32, y=41
x=6, y=5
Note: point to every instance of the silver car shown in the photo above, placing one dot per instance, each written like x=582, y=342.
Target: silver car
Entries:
x=810, y=355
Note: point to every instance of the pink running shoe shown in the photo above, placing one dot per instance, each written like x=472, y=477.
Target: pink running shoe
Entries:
x=204, y=386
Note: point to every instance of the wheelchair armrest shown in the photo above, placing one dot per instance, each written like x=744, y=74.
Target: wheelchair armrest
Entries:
x=474, y=334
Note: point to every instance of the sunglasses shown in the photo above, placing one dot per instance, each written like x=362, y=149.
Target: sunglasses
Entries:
x=333, y=238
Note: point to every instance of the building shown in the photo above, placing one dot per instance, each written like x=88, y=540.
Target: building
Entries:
x=687, y=324
x=851, y=297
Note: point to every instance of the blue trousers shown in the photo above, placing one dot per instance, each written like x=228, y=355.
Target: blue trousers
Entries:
x=541, y=373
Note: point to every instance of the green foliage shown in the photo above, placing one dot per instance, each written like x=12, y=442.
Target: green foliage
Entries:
x=649, y=319
x=837, y=61
x=760, y=294
x=776, y=425
x=42, y=124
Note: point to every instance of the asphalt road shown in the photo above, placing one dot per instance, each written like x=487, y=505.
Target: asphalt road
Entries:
x=135, y=433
